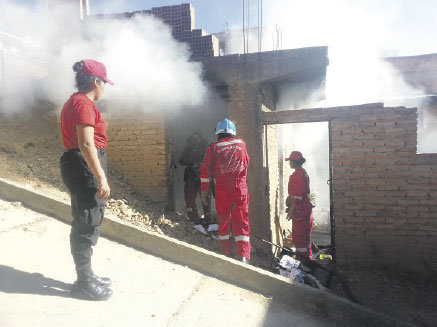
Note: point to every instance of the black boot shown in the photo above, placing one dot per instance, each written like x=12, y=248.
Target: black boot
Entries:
x=85, y=287
x=102, y=281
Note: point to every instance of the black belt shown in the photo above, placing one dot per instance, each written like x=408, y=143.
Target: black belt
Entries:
x=101, y=151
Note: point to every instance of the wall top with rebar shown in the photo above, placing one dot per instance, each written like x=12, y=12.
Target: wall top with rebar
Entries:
x=294, y=65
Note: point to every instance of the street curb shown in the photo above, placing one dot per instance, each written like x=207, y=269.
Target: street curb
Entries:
x=301, y=297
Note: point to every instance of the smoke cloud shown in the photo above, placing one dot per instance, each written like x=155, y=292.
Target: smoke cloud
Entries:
x=150, y=69
x=355, y=37
x=16, y=42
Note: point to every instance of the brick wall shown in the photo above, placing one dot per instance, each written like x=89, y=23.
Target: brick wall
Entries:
x=385, y=195
x=236, y=108
x=138, y=148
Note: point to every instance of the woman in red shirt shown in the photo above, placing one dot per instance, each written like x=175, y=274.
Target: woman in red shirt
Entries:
x=83, y=169
x=301, y=207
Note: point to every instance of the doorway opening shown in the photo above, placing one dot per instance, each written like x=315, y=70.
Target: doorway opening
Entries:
x=182, y=124
x=312, y=139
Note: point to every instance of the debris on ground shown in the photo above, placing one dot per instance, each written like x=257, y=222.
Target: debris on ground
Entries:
x=130, y=206
x=210, y=230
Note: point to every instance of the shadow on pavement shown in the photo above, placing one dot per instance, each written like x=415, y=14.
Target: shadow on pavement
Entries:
x=17, y=281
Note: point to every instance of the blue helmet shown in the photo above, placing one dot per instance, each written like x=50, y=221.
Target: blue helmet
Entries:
x=226, y=126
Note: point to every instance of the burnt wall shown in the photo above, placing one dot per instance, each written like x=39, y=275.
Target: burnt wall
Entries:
x=384, y=194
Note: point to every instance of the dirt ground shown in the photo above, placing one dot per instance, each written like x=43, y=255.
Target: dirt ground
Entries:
x=405, y=296
x=30, y=149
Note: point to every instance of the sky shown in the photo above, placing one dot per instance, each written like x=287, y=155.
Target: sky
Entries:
x=412, y=23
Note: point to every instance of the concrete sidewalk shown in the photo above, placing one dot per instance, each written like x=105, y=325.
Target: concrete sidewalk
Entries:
x=36, y=272
x=228, y=274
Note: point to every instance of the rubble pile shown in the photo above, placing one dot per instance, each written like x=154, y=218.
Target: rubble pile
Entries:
x=172, y=224
x=136, y=209
x=123, y=211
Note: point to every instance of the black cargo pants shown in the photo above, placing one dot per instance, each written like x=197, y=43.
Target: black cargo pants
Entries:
x=87, y=210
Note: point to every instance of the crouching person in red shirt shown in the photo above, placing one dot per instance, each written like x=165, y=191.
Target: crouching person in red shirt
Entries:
x=227, y=161
x=301, y=207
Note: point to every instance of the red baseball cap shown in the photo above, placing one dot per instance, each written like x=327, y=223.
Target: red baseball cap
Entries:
x=295, y=156
x=95, y=68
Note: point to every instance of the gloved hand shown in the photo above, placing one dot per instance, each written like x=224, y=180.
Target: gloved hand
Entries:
x=206, y=204
x=287, y=204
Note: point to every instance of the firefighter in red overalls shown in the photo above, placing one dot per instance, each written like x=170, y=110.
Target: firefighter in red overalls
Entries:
x=301, y=208
x=227, y=161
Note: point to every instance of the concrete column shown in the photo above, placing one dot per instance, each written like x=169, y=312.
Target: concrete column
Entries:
x=84, y=8
x=244, y=108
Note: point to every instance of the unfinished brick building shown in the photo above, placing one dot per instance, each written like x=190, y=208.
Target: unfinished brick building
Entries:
x=381, y=191
x=383, y=194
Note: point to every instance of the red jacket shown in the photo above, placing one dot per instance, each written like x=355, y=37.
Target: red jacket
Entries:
x=227, y=161
x=299, y=190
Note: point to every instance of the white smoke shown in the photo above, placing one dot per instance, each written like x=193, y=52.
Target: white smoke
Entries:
x=355, y=37
x=112, y=6
x=21, y=56
x=312, y=139
x=149, y=68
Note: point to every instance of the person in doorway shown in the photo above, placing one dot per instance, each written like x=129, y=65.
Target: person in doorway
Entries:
x=83, y=170
x=300, y=208
x=192, y=157
x=227, y=161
